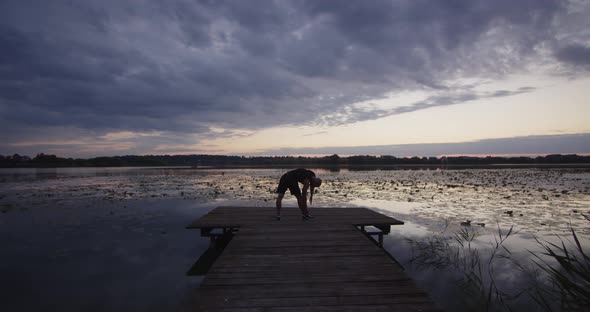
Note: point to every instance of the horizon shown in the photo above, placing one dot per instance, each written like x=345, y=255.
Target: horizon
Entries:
x=578, y=144
x=283, y=78
x=319, y=155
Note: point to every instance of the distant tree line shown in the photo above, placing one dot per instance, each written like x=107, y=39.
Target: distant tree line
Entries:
x=44, y=160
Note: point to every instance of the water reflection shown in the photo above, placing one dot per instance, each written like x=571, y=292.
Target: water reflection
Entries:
x=109, y=258
x=114, y=238
x=394, y=207
x=458, y=272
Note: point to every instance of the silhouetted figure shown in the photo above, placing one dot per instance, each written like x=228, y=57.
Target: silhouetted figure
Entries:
x=290, y=181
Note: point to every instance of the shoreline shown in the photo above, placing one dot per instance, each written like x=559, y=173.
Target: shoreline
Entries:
x=330, y=167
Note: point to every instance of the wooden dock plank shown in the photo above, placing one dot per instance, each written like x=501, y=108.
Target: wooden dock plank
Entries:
x=257, y=216
x=243, y=293
x=398, y=307
x=296, y=273
x=323, y=301
x=258, y=280
x=324, y=264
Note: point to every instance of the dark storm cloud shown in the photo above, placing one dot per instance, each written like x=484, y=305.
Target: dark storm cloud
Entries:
x=575, y=54
x=526, y=145
x=184, y=66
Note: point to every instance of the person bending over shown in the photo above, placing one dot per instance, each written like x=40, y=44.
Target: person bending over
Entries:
x=290, y=181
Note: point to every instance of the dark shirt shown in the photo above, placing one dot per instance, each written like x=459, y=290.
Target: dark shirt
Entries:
x=300, y=174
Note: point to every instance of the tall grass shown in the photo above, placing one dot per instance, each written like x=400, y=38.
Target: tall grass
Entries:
x=567, y=271
x=477, y=269
x=558, y=279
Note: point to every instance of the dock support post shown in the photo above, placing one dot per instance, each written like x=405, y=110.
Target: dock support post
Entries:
x=379, y=233
x=217, y=242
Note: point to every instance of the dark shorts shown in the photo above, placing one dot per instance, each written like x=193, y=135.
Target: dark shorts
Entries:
x=288, y=183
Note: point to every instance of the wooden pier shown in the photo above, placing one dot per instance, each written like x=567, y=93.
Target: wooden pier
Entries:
x=330, y=263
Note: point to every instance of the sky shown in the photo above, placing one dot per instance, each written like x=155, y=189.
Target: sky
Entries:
x=398, y=77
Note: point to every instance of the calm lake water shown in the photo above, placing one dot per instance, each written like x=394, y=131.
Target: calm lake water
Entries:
x=113, y=239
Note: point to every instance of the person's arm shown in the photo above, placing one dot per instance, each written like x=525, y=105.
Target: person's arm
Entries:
x=311, y=194
x=306, y=184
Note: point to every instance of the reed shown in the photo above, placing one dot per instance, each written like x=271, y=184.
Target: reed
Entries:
x=557, y=278
x=476, y=269
x=567, y=272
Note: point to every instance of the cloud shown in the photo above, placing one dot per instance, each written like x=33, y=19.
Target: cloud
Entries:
x=445, y=98
x=574, y=54
x=186, y=67
x=125, y=135
x=314, y=134
x=525, y=145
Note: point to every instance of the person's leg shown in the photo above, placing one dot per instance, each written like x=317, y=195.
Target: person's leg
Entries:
x=279, y=204
x=281, y=189
x=302, y=202
x=296, y=191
